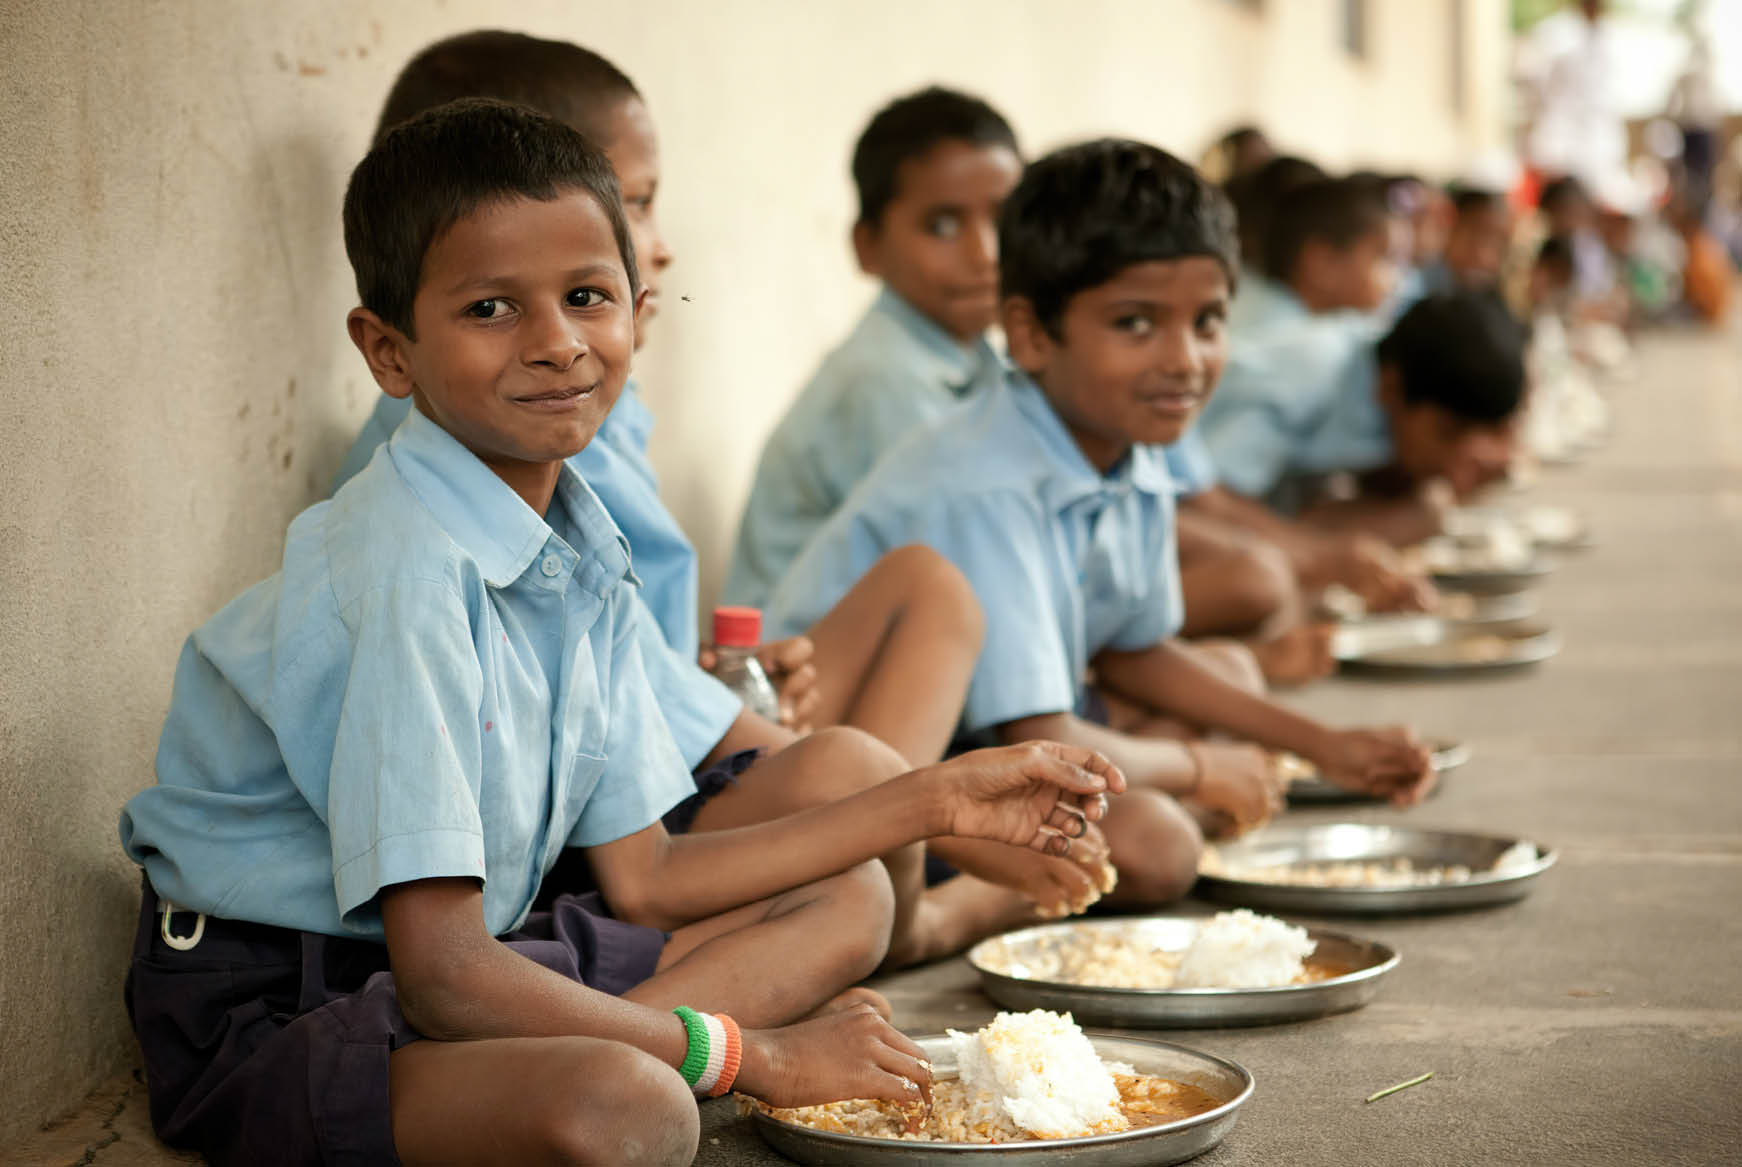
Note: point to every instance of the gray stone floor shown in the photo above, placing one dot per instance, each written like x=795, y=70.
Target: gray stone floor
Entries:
x=1600, y=1020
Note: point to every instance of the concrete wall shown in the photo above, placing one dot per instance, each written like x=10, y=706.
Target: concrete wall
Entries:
x=175, y=382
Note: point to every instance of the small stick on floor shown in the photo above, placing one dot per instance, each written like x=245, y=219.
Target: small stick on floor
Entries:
x=1400, y=1086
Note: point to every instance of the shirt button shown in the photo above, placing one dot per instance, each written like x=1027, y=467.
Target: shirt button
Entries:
x=552, y=565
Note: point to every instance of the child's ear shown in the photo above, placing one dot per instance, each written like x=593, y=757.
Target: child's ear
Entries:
x=384, y=349
x=865, y=248
x=639, y=319
x=1029, y=342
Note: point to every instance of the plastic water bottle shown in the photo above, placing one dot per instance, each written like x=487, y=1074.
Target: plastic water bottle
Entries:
x=737, y=632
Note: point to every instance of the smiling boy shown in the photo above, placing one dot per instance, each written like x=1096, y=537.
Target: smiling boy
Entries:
x=1052, y=497
x=373, y=758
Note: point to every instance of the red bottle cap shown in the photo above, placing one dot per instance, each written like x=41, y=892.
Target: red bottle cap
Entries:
x=737, y=627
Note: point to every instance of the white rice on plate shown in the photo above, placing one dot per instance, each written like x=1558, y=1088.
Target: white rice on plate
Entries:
x=1243, y=950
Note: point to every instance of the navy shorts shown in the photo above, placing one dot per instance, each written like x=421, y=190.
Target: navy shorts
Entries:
x=269, y=1045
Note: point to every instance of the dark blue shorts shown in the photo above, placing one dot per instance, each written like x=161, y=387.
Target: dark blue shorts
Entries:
x=269, y=1045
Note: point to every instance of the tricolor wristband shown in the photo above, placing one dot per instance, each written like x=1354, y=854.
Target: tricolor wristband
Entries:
x=715, y=1049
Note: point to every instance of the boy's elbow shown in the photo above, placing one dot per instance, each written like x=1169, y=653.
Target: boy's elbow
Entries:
x=646, y=910
x=1038, y=727
x=435, y=997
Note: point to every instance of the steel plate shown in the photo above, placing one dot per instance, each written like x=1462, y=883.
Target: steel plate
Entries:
x=1330, y=842
x=1173, y=1142
x=1007, y=966
x=1524, y=642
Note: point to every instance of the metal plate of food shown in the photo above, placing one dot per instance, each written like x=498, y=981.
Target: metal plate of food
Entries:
x=1486, y=566
x=1050, y=966
x=1306, y=787
x=1463, y=648
x=1358, y=869
x=1227, y=1083
x=1495, y=608
x=1555, y=528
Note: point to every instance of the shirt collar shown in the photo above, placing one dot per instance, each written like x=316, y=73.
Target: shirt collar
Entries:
x=486, y=518
x=1073, y=477
x=956, y=367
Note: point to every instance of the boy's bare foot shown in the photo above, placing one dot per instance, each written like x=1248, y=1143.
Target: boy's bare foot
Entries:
x=852, y=999
x=955, y=914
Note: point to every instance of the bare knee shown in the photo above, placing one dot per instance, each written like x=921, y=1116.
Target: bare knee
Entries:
x=863, y=900
x=839, y=762
x=1156, y=846
x=925, y=578
x=620, y=1106
x=1258, y=584
x=1233, y=662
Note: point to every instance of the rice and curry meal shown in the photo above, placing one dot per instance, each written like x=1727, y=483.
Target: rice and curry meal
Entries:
x=1023, y=1076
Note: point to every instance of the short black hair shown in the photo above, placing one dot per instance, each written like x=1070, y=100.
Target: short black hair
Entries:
x=1461, y=351
x=908, y=128
x=571, y=84
x=1475, y=200
x=1083, y=214
x=1255, y=195
x=437, y=168
x=1338, y=211
x=1556, y=254
x=1563, y=190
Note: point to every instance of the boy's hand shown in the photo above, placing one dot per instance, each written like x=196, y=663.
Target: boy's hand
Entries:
x=850, y=1054
x=1372, y=569
x=1240, y=781
x=1041, y=795
x=1057, y=887
x=1388, y=763
x=789, y=668
x=788, y=664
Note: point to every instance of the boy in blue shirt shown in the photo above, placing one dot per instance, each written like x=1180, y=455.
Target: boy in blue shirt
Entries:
x=1052, y=497
x=1305, y=397
x=372, y=759
x=892, y=658
x=932, y=169
x=1290, y=399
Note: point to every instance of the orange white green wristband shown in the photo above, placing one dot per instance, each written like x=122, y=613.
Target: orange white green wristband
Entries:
x=710, y=1064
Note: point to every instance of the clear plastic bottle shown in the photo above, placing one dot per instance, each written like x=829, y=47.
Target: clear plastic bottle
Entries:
x=737, y=632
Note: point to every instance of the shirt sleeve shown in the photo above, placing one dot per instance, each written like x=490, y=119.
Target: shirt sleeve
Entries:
x=1025, y=668
x=644, y=773
x=1246, y=433
x=696, y=707
x=403, y=789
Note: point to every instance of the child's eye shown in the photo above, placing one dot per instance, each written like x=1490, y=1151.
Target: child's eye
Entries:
x=641, y=206
x=944, y=226
x=1210, y=321
x=487, y=309
x=586, y=298
x=1135, y=324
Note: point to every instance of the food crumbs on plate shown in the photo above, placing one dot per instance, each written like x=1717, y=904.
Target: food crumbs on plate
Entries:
x=1400, y=1086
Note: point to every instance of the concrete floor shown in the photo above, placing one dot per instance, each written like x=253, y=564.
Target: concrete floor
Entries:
x=1600, y=1020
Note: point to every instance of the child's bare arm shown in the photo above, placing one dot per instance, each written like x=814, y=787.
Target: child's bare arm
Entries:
x=1239, y=780
x=456, y=982
x=1037, y=795
x=1321, y=556
x=1386, y=762
x=1402, y=520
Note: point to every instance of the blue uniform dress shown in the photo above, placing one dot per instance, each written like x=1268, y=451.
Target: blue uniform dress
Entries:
x=437, y=683
x=615, y=465
x=896, y=372
x=1065, y=561
x=1297, y=397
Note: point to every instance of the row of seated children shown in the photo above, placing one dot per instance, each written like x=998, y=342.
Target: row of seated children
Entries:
x=456, y=853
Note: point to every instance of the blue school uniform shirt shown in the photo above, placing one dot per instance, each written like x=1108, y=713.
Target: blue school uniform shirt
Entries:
x=438, y=683
x=1065, y=561
x=615, y=465
x=1190, y=465
x=896, y=372
x=1297, y=396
